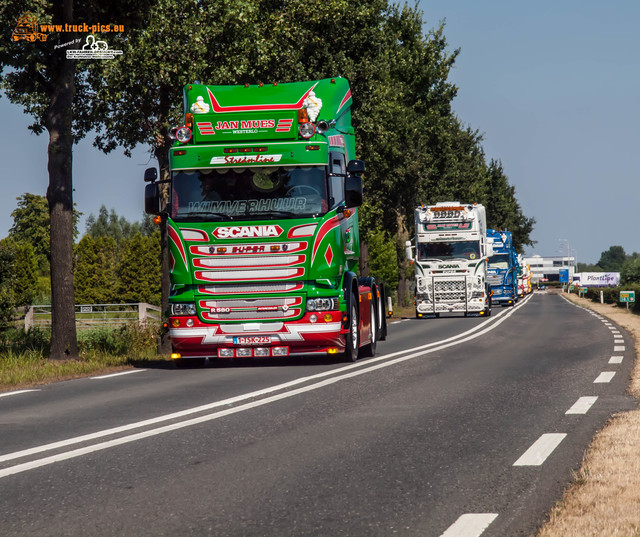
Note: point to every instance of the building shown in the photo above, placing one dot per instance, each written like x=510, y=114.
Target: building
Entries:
x=547, y=269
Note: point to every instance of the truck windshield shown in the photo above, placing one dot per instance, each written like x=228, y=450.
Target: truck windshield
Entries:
x=249, y=193
x=499, y=261
x=448, y=250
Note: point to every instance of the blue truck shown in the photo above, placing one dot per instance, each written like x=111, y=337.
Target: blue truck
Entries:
x=503, y=268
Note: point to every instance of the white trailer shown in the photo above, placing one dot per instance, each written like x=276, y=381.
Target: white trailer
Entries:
x=450, y=253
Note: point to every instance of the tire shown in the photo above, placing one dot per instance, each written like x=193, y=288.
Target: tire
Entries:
x=353, y=337
x=369, y=350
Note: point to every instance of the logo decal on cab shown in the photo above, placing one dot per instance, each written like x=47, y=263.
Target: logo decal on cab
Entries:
x=247, y=232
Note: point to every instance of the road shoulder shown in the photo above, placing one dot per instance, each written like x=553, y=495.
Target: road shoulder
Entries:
x=604, y=499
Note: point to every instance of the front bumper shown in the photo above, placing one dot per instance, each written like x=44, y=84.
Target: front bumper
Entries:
x=305, y=336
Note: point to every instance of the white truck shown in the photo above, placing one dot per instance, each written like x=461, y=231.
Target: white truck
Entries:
x=450, y=253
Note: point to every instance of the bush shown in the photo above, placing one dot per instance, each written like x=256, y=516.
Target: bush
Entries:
x=17, y=341
x=611, y=295
x=131, y=340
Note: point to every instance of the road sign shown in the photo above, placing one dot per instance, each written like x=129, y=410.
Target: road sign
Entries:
x=627, y=296
x=563, y=275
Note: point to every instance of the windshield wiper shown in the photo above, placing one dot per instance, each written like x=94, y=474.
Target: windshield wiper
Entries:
x=278, y=213
x=204, y=215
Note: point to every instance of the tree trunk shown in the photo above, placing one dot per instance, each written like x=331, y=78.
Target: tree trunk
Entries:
x=64, y=343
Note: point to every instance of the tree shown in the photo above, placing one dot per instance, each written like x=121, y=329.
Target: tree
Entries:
x=18, y=277
x=503, y=209
x=50, y=88
x=383, y=258
x=630, y=272
x=138, y=270
x=109, y=224
x=31, y=224
x=612, y=259
x=95, y=270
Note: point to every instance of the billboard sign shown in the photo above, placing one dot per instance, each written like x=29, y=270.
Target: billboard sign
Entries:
x=598, y=279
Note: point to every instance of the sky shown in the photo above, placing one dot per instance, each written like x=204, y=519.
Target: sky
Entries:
x=554, y=86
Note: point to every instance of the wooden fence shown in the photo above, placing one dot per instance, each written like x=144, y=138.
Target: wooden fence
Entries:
x=92, y=315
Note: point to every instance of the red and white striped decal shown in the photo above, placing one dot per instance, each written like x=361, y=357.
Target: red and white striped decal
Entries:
x=175, y=238
x=206, y=128
x=337, y=140
x=345, y=99
x=284, y=125
x=218, y=108
x=322, y=233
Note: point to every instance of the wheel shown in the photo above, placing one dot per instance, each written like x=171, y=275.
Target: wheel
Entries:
x=369, y=350
x=353, y=337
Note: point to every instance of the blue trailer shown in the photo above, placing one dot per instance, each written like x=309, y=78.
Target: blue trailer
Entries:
x=503, y=268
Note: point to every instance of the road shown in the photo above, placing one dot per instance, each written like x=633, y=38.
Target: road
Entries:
x=459, y=427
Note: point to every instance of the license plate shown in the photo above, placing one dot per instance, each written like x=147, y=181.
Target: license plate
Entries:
x=254, y=340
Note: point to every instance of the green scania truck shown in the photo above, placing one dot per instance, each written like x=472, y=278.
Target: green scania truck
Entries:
x=262, y=225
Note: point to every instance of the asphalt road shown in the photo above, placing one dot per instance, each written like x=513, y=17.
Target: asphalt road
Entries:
x=459, y=427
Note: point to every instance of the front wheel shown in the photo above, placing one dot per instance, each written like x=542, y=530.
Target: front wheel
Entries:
x=353, y=337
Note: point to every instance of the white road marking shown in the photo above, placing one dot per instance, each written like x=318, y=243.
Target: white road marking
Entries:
x=604, y=377
x=367, y=366
x=470, y=525
x=618, y=341
x=615, y=360
x=7, y=394
x=540, y=450
x=128, y=372
x=619, y=348
x=582, y=405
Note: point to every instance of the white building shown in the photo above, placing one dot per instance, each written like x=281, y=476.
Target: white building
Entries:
x=547, y=269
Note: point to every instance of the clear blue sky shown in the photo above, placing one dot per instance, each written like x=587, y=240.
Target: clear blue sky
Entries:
x=554, y=86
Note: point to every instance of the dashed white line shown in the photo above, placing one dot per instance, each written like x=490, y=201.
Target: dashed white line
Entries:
x=618, y=341
x=604, y=377
x=619, y=348
x=582, y=405
x=615, y=360
x=128, y=372
x=470, y=525
x=540, y=450
x=7, y=394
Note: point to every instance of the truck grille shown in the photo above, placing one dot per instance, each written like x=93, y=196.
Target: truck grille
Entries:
x=251, y=309
x=449, y=290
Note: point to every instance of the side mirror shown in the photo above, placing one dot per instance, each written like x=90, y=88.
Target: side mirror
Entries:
x=150, y=175
x=151, y=198
x=355, y=167
x=353, y=191
x=489, y=249
x=408, y=251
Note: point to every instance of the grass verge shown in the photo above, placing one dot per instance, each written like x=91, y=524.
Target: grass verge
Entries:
x=604, y=499
x=24, y=362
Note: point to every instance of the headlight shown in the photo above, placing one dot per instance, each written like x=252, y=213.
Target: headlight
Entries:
x=183, y=134
x=183, y=308
x=307, y=130
x=322, y=304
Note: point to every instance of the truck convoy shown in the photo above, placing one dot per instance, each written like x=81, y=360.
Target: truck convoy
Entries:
x=262, y=225
x=450, y=260
x=503, y=268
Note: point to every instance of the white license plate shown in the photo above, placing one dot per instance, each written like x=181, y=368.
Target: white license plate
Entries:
x=253, y=340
